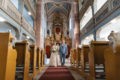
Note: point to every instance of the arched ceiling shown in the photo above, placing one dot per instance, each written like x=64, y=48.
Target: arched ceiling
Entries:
x=58, y=13
x=57, y=6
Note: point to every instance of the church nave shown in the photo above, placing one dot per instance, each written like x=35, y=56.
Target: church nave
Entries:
x=59, y=39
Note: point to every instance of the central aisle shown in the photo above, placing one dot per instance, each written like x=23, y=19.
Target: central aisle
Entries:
x=57, y=73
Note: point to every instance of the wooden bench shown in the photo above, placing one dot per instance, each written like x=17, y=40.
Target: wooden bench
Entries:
x=33, y=58
x=42, y=57
x=71, y=57
x=84, y=59
x=8, y=57
x=112, y=63
x=96, y=59
x=23, y=61
x=78, y=55
x=38, y=61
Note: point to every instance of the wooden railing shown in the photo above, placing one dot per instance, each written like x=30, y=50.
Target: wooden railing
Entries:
x=11, y=10
x=105, y=11
x=27, y=27
x=8, y=7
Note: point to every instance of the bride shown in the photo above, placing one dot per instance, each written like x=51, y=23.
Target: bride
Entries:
x=55, y=58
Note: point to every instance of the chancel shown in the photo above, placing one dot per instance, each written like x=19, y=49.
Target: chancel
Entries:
x=59, y=39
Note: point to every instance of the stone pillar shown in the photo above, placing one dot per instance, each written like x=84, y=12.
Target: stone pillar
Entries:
x=77, y=24
x=37, y=26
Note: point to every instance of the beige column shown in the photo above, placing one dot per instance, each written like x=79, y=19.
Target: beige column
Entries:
x=77, y=24
x=37, y=26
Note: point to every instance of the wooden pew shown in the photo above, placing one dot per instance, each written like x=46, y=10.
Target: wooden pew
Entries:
x=42, y=57
x=75, y=57
x=8, y=57
x=33, y=58
x=38, y=61
x=84, y=58
x=96, y=59
x=78, y=55
x=112, y=63
x=71, y=57
x=23, y=61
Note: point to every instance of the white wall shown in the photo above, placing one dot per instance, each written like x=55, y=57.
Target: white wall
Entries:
x=98, y=4
x=113, y=25
x=87, y=40
x=87, y=16
x=5, y=27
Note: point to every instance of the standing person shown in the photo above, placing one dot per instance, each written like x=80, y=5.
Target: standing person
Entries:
x=63, y=52
x=58, y=54
x=54, y=59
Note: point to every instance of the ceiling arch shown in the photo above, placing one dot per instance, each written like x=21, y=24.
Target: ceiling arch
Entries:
x=58, y=13
x=53, y=7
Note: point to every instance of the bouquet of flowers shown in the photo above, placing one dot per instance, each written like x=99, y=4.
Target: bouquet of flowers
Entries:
x=54, y=49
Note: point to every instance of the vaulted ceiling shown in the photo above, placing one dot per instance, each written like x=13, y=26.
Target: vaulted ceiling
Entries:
x=57, y=7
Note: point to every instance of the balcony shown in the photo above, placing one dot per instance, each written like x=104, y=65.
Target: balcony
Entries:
x=33, y=8
x=8, y=7
x=27, y=26
x=106, y=10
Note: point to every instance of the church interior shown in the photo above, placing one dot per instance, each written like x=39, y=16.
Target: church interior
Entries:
x=30, y=28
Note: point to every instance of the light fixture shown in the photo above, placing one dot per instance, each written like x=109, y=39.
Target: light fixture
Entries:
x=29, y=13
x=2, y=19
x=27, y=37
x=80, y=46
x=9, y=30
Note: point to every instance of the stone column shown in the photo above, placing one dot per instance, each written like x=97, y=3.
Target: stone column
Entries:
x=77, y=24
x=37, y=26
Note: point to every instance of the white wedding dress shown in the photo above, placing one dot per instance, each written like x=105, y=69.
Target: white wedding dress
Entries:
x=55, y=57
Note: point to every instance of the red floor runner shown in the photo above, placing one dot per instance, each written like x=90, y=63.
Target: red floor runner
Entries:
x=58, y=73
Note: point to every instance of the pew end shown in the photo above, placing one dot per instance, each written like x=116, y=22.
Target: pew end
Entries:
x=84, y=59
x=33, y=61
x=112, y=63
x=78, y=54
x=8, y=57
x=96, y=59
x=23, y=60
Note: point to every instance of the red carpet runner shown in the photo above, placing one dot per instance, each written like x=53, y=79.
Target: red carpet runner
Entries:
x=58, y=73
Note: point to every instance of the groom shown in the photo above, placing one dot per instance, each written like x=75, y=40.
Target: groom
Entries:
x=63, y=52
